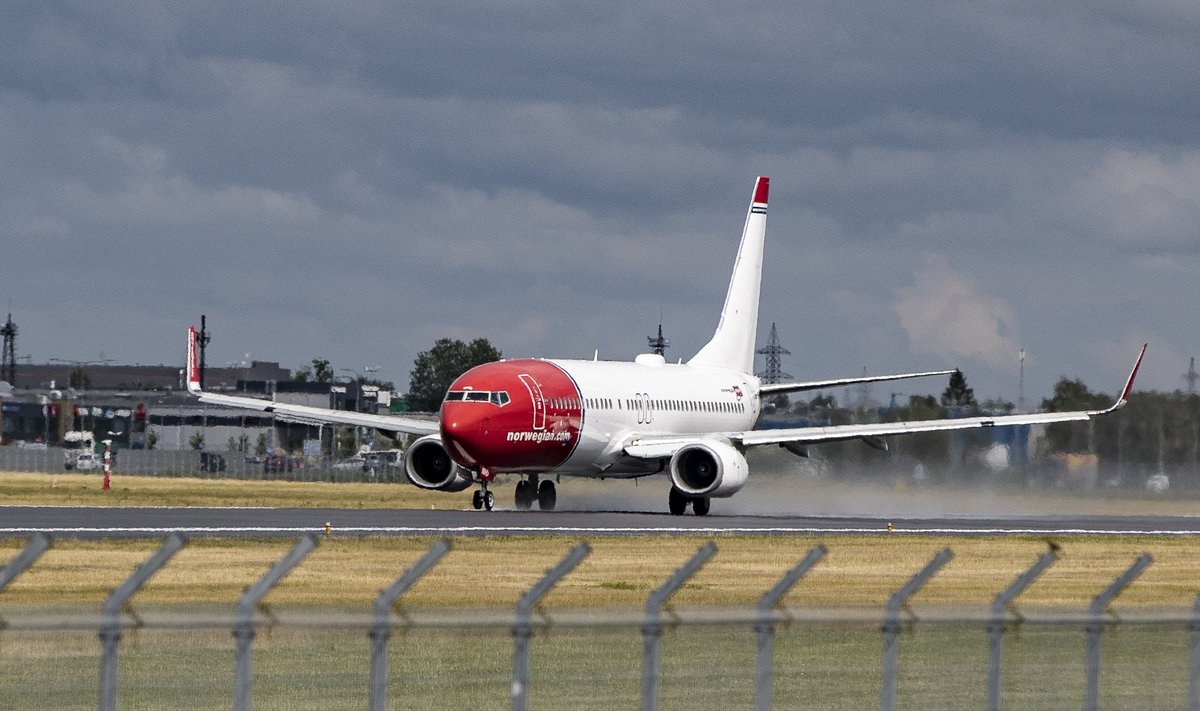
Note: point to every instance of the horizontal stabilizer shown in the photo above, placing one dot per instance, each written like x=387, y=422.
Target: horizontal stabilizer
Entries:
x=773, y=388
x=300, y=413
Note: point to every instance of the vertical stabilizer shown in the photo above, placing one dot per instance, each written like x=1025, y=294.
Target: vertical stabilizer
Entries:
x=732, y=346
x=193, y=364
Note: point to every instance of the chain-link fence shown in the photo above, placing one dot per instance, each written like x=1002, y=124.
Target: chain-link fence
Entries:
x=379, y=466
x=763, y=657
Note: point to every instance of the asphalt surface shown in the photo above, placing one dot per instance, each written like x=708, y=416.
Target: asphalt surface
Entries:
x=116, y=522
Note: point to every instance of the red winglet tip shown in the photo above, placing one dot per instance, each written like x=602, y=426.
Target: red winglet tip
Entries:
x=760, y=189
x=1134, y=372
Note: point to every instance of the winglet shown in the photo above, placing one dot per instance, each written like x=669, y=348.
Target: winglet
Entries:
x=193, y=363
x=1128, y=385
x=760, y=189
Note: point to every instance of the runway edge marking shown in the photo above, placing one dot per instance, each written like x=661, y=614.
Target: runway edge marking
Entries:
x=599, y=530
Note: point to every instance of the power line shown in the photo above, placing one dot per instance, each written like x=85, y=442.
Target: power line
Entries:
x=8, y=363
x=773, y=373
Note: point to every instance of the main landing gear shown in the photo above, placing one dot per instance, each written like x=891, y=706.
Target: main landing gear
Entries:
x=678, y=502
x=529, y=490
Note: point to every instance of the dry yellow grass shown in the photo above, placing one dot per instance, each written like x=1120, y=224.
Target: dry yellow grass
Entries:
x=495, y=571
x=37, y=489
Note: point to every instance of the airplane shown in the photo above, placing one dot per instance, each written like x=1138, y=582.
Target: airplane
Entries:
x=692, y=421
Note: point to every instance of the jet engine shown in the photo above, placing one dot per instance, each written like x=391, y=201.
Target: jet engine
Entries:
x=709, y=469
x=429, y=466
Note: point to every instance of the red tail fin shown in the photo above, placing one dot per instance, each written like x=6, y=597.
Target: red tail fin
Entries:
x=193, y=362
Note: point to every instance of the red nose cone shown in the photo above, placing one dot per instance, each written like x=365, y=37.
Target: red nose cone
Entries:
x=461, y=433
x=519, y=415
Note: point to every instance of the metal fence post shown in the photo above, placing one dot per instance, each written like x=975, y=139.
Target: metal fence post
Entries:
x=21, y=562
x=999, y=622
x=765, y=628
x=243, y=629
x=382, y=630
x=110, y=628
x=891, y=624
x=652, y=629
x=1096, y=626
x=523, y=629
x=30, y=553
x=1194, y=675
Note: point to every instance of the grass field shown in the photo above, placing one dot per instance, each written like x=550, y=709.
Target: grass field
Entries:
x=492, y=572
x=860, y=570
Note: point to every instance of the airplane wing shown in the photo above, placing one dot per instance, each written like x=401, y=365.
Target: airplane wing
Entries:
x=300, y=413
x=774, y=388
x=657, y=447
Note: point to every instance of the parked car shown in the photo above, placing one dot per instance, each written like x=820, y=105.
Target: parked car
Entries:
x=381, y=464
x=381, y=459
x=276, y=463
x=351, y=463
x=212, y=462
x=84, y=461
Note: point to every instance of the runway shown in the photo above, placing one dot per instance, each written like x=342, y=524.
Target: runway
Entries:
x=142, y=522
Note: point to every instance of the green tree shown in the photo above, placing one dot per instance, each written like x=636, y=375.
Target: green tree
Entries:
x=958, y=395
x=319, y=371
x=434, y=369
x=79, y=379
x=931, y=449
x=1070, y=395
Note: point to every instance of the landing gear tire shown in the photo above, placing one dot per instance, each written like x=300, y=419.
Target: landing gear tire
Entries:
x=525, y=494
x=700, y=505
x=547, y=496
x=677, y=502
x=483, y=499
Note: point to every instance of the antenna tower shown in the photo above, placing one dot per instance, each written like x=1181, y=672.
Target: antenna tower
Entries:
x=8, y=364
x=773, y=372
x=1191, y=376
x=203, y=341
x=658, y=344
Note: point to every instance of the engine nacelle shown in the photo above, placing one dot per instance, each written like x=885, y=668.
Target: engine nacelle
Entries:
x=709, y=469
x=429, y=466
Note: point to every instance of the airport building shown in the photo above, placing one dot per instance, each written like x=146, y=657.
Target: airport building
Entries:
x=148, y=407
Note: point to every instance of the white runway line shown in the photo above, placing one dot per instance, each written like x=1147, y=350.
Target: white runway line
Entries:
x=536, y=530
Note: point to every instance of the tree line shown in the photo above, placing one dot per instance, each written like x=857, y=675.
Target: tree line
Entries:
x=1154, y=433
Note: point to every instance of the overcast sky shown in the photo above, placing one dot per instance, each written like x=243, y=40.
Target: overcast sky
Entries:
x=950, y=182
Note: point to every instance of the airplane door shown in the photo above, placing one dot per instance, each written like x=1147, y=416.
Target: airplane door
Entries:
x=539, y=402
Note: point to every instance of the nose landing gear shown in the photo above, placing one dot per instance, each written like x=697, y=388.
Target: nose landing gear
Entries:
x=482, y=498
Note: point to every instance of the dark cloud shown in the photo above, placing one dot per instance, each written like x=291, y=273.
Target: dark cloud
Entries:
x=359, y=179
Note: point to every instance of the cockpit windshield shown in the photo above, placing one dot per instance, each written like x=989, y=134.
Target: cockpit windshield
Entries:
x=497, y=397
